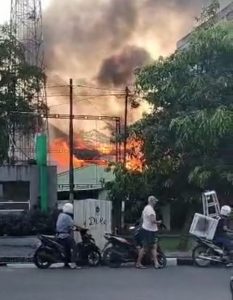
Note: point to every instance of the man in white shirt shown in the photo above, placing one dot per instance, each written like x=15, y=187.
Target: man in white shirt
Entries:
x=149, y=232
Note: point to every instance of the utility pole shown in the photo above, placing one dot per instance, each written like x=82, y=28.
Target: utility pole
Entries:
x=122, y=202
x=126, y=123
x=71, y=144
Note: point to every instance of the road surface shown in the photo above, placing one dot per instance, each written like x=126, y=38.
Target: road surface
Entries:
x=173, y=283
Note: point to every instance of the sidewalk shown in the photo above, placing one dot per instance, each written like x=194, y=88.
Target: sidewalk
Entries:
x=17, y=249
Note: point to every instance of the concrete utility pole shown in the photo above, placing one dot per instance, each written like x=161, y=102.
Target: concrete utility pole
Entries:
x=71, y=144
x=126, y=123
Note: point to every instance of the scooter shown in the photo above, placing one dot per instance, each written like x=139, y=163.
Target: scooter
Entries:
x=51, y=251
x=207, y=252
x=119, y=250
x=231, y=286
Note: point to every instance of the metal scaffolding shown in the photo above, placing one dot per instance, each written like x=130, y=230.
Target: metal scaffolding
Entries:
x=26, y=27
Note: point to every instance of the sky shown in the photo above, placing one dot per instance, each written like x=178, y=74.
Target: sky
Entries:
x=5, y=9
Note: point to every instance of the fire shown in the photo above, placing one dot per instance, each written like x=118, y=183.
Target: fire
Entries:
x=86, y=153
x=135, y=158
x=59, y=154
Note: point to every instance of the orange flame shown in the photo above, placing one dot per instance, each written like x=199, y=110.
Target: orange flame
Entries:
x=135, y=158
x=59, y=154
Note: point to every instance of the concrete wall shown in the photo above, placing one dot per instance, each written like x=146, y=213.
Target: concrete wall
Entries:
x=30, y=173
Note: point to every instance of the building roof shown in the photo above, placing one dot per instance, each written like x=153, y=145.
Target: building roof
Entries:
x=225, y=14
x=87, y=178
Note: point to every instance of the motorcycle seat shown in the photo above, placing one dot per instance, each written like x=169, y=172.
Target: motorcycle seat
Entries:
x=50, y=237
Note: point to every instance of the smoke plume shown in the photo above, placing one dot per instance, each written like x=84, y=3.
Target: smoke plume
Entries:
x=102, y=42
x=81, y=35
x=118, y=69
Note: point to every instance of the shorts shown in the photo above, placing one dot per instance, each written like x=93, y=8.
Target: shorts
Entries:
x=138, y=237
x=148, y=238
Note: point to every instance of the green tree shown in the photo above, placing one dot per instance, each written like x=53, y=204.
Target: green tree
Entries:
x=19, y=85
x=129, y=186
x=188, y=137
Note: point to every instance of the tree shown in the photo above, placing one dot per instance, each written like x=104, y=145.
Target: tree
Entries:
x=129, y=186
x=19, y=85
x=188, y=138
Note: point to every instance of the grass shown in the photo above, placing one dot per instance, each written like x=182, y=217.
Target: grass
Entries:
x=171, y=244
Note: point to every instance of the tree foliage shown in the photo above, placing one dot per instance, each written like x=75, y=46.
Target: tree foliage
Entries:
x=19, y=85
x=188, y=138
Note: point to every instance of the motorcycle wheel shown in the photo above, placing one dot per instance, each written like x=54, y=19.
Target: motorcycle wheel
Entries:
x=204, y=251
x=40, y=259
x=94, y=258
x=162, y=260
x=107, y=256
x=231, y=286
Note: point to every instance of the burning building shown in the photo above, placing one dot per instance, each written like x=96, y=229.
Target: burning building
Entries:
x=101, y=43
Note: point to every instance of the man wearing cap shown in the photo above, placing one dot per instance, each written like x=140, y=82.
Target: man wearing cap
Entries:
x=149, y=232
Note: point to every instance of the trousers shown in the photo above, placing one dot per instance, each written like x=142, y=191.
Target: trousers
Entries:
x=225, y=242
x=69, y=245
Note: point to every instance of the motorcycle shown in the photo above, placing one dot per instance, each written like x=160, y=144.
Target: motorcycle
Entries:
x=51, y=251
x=231, y=286
x=119, y=250
x=207, y=252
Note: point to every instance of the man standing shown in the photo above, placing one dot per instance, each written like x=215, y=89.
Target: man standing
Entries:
x=149, y=233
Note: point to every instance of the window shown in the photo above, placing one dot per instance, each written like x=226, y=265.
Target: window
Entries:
x=14, y=195
x=16, y=191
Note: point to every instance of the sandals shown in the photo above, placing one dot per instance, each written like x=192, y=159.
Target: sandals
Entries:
x=140, y=267
x=157, y=267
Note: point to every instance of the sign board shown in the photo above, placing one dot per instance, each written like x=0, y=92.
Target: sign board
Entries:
x=96, y=215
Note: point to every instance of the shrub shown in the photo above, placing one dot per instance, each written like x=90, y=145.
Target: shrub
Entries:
x=28, y=223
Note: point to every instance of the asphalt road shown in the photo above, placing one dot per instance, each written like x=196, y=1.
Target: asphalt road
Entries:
x=174, y=283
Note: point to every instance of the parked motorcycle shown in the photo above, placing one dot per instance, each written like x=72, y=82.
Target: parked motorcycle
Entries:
x=119, y=250
x=207, y=252
x=231, y=286
x=51, y=251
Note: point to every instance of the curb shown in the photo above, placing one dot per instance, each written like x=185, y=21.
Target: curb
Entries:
x=19, y=259
x=184, y=261
x=171, y=261
x=175, y=261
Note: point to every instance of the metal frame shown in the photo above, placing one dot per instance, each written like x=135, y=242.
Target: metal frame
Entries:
x=210, y=200
x=26, y=28
x=117, y=121
x=15, y=210
x=79, y=187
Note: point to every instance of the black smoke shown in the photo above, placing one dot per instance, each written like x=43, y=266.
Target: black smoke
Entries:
x=118, y=69
x=81, y=37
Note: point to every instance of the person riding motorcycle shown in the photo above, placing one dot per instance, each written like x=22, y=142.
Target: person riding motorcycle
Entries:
x=64, y=230
x=222, y=231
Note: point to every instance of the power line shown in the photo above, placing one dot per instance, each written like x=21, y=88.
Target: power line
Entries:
x=85, y=86
x=82, y=95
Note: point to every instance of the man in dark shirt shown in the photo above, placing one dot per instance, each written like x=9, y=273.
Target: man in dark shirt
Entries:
x=222, y=231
